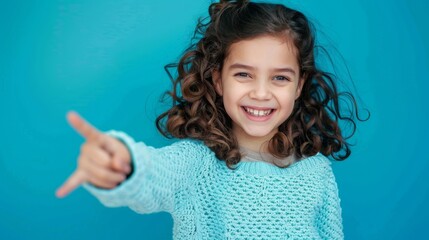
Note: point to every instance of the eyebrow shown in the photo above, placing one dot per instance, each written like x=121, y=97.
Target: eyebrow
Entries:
x=239, y=65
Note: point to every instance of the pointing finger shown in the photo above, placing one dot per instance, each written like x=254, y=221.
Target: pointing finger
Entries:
x=76, y=179
x=84, y=128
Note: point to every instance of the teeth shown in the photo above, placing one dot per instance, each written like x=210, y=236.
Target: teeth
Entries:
x=258, y=113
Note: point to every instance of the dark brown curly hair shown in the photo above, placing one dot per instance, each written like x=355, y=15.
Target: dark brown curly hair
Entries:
x=198, y=111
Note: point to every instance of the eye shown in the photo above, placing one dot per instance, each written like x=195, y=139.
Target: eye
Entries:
x=242, y=74
x=281, y=78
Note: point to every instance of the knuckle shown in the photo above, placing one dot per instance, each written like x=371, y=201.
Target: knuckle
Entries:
x=98, y=137
x=115, y=163
x=105, y=176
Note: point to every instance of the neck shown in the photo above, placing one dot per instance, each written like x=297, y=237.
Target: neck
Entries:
x=253, y=143
x=256, y=156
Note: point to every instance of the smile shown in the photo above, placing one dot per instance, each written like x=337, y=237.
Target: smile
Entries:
x=258, y=112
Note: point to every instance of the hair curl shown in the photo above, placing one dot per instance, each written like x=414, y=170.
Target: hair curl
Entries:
x=198, y=111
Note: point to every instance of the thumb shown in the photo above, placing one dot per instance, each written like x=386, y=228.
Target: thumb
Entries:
x=74, y=181
x=120, y=164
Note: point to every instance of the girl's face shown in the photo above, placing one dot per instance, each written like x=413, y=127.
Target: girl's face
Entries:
x=259, y=83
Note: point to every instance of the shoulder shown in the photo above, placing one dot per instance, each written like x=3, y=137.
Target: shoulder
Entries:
x=186, y=150
x=325, y=171
x=317, y=165
x=318, y=162
x=319, y=169
x=190, y=146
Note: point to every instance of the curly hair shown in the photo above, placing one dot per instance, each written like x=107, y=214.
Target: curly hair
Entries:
x=198, y=111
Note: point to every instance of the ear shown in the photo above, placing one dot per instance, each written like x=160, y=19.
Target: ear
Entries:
x=217, y=81
x=299, y=88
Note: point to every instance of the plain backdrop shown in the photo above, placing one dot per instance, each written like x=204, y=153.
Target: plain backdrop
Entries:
x=105, y=59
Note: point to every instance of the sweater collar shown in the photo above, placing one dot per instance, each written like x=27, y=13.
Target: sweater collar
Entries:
x=253, y=156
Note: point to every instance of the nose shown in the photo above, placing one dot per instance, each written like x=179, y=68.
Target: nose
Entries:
x=260, y=91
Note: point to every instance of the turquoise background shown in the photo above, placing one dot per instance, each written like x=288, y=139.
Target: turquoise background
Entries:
x=105, y=60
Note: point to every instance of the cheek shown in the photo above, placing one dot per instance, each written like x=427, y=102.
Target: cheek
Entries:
x=228, y=102
x=231, y=102
x=286, y=96
x=287, y=103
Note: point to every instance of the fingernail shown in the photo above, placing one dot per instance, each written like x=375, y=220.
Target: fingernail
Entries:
x=123, y=177
x=127, y=168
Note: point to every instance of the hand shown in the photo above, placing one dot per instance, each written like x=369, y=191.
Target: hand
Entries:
x=104, y=161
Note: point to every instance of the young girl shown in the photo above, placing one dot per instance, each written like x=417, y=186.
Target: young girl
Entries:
x=257, y=119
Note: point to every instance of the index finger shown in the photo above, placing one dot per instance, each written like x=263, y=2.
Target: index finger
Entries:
x=84, y=128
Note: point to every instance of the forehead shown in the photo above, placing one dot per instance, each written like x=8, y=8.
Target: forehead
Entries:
x=263, y=50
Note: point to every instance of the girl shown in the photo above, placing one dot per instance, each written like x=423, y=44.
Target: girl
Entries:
x=257, y=119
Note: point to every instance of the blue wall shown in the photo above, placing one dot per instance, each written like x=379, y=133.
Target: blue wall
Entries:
x=105, y=60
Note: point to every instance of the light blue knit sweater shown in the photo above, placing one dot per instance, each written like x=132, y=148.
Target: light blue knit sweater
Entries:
x=207, y=200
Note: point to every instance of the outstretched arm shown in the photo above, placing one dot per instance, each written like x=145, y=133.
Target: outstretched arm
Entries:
x=161, y=175
x=158, y=175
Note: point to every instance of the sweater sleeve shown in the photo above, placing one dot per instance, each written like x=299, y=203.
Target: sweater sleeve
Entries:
x=158, y=175
x=329, y=220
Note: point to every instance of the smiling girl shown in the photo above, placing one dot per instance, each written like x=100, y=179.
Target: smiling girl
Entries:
x=256, y=121
x=259, y=84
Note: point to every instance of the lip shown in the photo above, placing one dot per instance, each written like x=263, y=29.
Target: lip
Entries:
x=261, y=118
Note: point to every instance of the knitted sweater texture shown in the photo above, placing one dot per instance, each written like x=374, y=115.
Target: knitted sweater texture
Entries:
x=207, y=200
